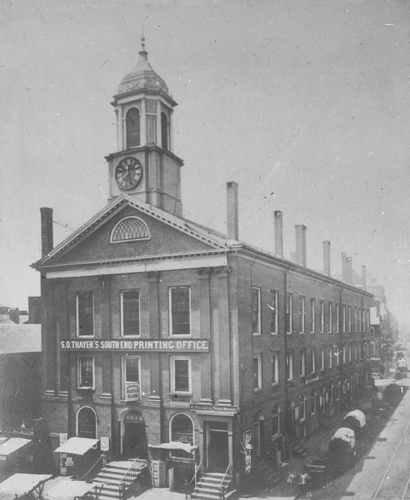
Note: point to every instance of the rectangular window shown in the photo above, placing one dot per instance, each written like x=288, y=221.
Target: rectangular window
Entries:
x=289, y=365
x=85, y=372
x=372, y=331
x=131, y=390
x=344, y=319
x=367, y=320
x=355, y=329
x=322, y=316
x=85, y=314
x=257, y=372
x=303, y=362
x=312, y=315
x=336, y=350
x=360, y=319
x=349, y=352
x=330, y=356
x=181, y=375
x=330, y=325
x=289, y=308
x=180, y=310
x=256, y=310
x=344, y=354
x=313, y=360
x=273, y=311
x=130, y=313
x=322, y=358
x=337, y=318
x=302, y=314
x=275, y=368
x=350, y=319
x=372, y=348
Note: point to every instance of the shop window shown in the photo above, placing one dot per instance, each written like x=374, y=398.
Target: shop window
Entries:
x=130, y=313
x=302, y=362
x=180, y=310
x=302, y=314
x=129, y=229
x=275, y=368
x=312, y=316
x=289, y=313
x=133, y=128
x=164, y=131
x=273, y=311
x=131, y=389
x=85, y=314
x=256, y=310
x=257, y=372
x=86, y=423
x=289, y=365
x=181, y=375
x=85, y=372
x=276, y=420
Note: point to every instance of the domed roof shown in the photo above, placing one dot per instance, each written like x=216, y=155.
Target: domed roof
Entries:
x=142, y=76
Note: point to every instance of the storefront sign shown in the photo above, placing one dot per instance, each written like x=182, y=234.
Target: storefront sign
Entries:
x=154, y=345
x=69, y=462
x=132, y=391
x=231, y=410
x=180, y=460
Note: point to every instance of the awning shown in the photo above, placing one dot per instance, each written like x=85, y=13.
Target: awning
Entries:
x=77, y=445
x=174, y=445
x=62, y=488
x=345, y=434
x=358, y=415
x=21, y=484
x=11, y=445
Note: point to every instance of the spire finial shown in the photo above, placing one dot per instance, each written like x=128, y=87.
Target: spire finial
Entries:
x=142, y=36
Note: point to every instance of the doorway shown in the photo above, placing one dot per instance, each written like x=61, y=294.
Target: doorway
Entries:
x=134, y=439
x=217, y=446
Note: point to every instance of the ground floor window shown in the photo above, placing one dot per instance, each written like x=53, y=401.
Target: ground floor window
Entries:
x=86, y=423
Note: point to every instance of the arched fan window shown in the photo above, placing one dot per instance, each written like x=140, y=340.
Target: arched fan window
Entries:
x=130, y=229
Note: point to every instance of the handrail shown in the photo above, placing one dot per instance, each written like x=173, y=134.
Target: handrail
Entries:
x=130, y=475
x=103, y=456
x=197, y=467
x=221, y=487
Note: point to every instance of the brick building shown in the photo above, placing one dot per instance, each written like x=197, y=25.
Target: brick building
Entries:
x=158, y=330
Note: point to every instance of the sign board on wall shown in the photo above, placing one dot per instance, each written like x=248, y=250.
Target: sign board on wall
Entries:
x=158, y=473
x=132, y=391
x=63, y=438
x=104, y=444
x=216, y=409
x=151, y=345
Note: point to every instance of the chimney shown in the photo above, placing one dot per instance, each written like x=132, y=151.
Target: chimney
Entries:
x=349, y=270
x=344, y=267
x=278, y=222
x=364, y=284
x=46, y=230
x=232, y=202
x=301, y=244
x=326, y=258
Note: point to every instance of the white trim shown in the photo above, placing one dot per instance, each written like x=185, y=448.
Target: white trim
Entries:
x=144, y=267
x=172, y=368
x=129, y=239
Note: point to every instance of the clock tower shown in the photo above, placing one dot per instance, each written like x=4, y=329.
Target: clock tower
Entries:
x=144, y=165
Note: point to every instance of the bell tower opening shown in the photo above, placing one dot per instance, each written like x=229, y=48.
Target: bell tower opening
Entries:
x=144, y=165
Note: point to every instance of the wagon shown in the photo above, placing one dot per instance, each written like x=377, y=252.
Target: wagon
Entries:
x=355, y=420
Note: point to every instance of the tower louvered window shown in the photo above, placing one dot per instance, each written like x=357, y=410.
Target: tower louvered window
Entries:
x=133, y=128
x=131, y=228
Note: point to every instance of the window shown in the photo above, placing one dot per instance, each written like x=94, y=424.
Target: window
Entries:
x=313, y=400
x=313, y=360
x=344, y=319
x=330, y=356
x=312, y=315
x=302, y=407
x=289, y=307
x=182, y=429
x=131, y=378
x=289, y=365
x=372, y=348
x=355, y=329
x=322, y=316
x=85, y=314
x=330, y=325
x=344, y=353
x=181, y=375
x=276, y=420
x=360, y=320
x=367, y=320
x=337, y=318
x=130, y=313
x=85, y=372
x=349, y=352
x=164, y=131
x=86, y=423
x=273, y=311
x=302, y=362
x=275, y=368
x=133, y=128
x=350, y=319
x=129, y=229
x=336, y=350
x=322, y=358
x=257, y=372
x=372, y=331
x=180, y=310
x=256, y=310
x=302, y=314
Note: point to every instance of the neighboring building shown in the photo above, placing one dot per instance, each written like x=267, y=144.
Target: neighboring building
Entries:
x=157, y=329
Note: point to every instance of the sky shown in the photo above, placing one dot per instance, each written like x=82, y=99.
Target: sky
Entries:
x=304, y=103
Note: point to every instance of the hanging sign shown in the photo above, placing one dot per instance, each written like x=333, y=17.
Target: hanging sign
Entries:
x=132, y=391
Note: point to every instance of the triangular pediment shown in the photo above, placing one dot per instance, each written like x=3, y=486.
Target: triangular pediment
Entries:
x=163, y=235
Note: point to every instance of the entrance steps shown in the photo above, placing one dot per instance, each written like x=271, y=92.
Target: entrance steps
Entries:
x=110, y=478
x=299, y=450
x=208, y=487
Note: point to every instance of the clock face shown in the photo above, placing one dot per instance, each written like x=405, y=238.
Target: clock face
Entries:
x=128, y=173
